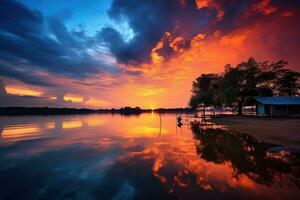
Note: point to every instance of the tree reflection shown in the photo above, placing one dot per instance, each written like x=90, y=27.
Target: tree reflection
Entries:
x=248, y=156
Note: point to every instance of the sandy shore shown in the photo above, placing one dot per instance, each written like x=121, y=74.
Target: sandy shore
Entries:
x=276, y=130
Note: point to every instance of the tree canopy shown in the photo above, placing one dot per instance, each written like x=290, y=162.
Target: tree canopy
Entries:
x=236, y=85
x=205, y=91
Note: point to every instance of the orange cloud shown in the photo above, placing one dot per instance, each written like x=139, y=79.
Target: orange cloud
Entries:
x=288, y=14
x=210, y=3
x=176, y=42
x=53, y=98
x=264, y=7
x=233, y=40
x=155, y=55
x=73, y=98
x=97, y=103
x=21, y=91
x=202, y=3
x=151, y=92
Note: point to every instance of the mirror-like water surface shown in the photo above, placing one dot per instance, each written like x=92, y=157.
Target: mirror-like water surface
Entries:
x=137, y=157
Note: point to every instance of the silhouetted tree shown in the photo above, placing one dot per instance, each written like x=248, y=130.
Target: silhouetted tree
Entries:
x=204, y=91
x=246, y=80
x=286, y=81
x=193, y=102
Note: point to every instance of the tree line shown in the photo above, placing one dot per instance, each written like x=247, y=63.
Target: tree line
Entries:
x=236, y=85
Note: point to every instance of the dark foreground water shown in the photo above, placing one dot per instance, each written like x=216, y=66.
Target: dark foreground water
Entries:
x=137, y=157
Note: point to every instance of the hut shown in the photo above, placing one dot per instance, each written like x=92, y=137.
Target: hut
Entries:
x=277, y=106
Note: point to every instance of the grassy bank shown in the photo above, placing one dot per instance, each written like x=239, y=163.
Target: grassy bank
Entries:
x=282, y=131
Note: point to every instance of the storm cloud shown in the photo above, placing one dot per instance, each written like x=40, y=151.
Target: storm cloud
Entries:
x=150, y=20
x=29, y=42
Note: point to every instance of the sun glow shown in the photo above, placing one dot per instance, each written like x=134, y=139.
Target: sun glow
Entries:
x=151, y=92
x=96, y=103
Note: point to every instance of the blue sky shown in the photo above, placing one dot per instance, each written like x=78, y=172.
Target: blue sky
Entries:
x=89, y=13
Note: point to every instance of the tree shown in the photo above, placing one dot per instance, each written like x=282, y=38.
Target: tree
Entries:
x=193, y=102
x=205, y=91
x=286, y=81
x=244, y=81
x=229, y=87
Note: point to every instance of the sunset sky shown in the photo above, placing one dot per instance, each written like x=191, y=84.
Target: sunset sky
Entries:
x=114, y=53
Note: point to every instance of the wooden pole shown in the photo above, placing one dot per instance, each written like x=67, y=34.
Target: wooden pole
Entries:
x=160, y=124
x=271, y=110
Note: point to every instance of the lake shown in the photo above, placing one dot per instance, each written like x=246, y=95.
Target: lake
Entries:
x=145, y=156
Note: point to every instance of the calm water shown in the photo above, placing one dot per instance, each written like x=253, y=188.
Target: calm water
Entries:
x=136, y=157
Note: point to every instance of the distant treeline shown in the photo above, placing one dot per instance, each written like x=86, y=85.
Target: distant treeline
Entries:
x=64, y=111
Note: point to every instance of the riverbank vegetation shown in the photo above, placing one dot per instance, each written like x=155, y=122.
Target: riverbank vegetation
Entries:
x=236, y=85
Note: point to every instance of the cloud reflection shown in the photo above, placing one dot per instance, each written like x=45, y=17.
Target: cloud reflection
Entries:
x=114, y=162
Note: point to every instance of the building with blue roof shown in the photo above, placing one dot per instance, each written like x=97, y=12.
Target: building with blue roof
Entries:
x=277, y=106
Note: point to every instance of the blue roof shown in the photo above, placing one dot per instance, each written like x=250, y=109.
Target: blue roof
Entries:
x=278, y=100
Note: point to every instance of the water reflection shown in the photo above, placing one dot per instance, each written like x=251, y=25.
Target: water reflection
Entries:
x=72, y=124
x=27, y=130
x=139, y=157
x=248, y=156
x=50, y=125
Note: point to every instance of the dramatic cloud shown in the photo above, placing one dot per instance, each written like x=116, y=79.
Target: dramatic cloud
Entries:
x=28, y=98
x=30, y=41
x=27, y=101
x=163, y=28
x=24, y=75
x=150, y=20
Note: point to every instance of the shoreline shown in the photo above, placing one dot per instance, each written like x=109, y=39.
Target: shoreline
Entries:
x=282, y=131
x=20, y=111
